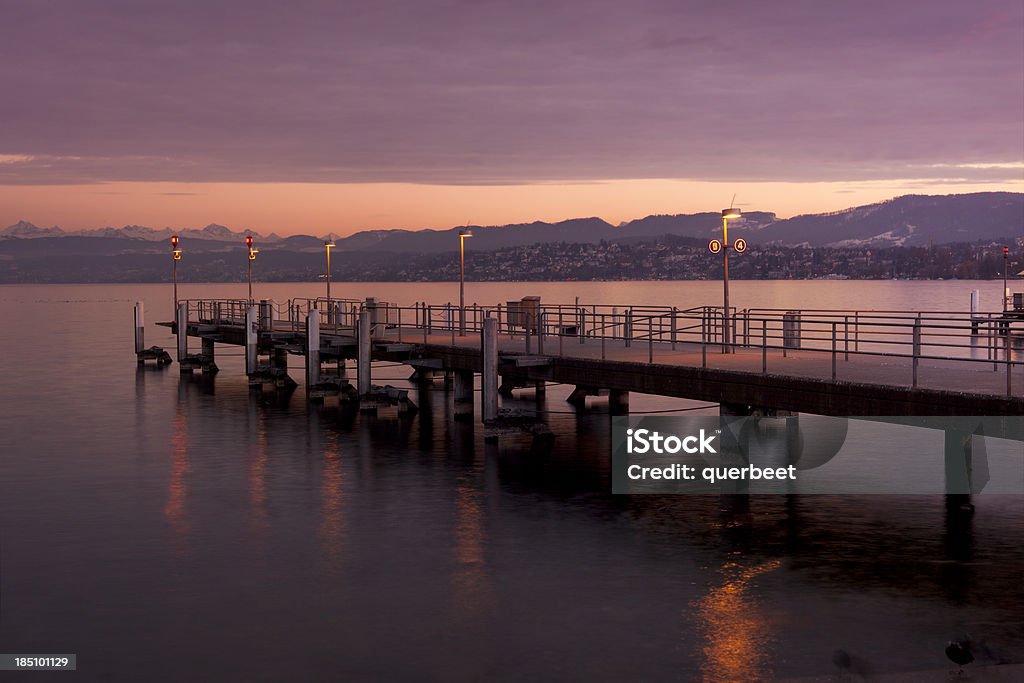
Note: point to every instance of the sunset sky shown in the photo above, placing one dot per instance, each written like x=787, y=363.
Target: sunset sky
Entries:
x=335, y=116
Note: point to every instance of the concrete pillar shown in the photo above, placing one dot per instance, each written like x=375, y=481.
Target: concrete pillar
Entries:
x=618, y=402
x=140, y=328
x=489, y=376
x=363, y=352
x=181, y=320
x=252, y=336
x=463, y=394
x=312, y=349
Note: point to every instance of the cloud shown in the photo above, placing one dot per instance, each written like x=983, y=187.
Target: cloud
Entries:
x=509, y=93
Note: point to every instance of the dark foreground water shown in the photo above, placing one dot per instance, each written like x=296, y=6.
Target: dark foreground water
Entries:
x=174, y=528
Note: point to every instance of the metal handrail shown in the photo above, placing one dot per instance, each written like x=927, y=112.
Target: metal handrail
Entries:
x=927, y=335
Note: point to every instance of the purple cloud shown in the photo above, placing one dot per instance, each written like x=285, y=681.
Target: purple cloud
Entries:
x=496, y=92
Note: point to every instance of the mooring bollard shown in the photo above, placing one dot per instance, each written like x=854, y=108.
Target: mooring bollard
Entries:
x=251, y=339
x=181, y=323
x=140, y=328
x=363, y=352
x=489, y=366
x=312, y=349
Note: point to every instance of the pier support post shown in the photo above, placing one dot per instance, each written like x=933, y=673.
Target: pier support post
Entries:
x=280, y=359
x=462, y=406
x=312, y=349
x=959, y=463
x=252, y=335
x=578, y=397
x=489, y=376
x=363, y=352
x=209, y=360
x=540, y=390
x=140, y=329
x=733, y=497
x=181, y=327
x=618, y=402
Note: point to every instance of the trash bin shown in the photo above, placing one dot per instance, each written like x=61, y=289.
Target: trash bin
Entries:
x=530, y=307
x=513, y=314
x=791, y=330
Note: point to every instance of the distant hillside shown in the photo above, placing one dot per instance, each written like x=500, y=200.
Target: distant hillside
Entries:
x=911, y=220
x=136, y=253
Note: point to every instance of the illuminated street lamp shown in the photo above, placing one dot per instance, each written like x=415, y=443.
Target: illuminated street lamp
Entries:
x=328, y=245
x=176, y=256
x=740, y=245
x=252, y=257
x=463, y=234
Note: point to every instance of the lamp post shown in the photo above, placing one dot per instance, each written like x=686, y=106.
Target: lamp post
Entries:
x=327, y=247
x=175, y=257
x=252, y=257
x=726, y=316
x=463, y=234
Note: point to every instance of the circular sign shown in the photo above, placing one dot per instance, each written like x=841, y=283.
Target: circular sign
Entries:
x=740, y=245
x=714, y=246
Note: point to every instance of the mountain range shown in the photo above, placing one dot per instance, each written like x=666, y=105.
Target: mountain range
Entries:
x=910, y=220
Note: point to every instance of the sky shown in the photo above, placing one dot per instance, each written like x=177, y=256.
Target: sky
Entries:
x=331, y=116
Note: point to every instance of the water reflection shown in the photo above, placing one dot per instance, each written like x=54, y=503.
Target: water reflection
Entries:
x=257, y=482
x=737, y=643
x=332, y=523
x=471, y=579
x=177, y=486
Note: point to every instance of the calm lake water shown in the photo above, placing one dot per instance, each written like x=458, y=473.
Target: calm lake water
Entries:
x=175, y=528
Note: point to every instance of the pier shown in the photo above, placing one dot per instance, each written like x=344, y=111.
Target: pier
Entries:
x=816, y=361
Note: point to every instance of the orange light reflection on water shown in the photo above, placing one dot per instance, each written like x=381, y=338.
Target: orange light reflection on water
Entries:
x=737, y=642
x=177, y=488
x=471, y=578
x=332, y=525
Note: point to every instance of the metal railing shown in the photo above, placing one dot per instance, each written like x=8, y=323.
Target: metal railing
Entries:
x=962, y=337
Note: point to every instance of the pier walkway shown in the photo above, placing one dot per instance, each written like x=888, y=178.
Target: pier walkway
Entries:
x=823, y=362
